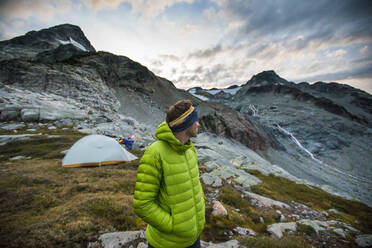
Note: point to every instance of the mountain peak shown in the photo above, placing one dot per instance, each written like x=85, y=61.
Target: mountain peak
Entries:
x=268, y=76
x=35, y=42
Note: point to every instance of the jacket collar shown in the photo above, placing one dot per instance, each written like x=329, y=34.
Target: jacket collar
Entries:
x=163, y=132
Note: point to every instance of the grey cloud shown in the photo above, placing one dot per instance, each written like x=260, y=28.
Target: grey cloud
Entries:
x=206, y=53
x=363, y=60
x=198, y=70
x=219, y=75
x=157, y=71
x=364, y=71
x=157, y=63
x=169, y=57
x=316, y=20
x=41, y=9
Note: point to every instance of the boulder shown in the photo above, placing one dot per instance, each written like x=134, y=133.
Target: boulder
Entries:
x=30, y=115
x=219, y=209
x=212, y=180
x=338, y=227
x=210, y=165
x=314, y=224
x=340, y=232
x=223, y=172
x=9, y=115
x=244, y=231
x=263, y=202
x=14, y=126
x=276, y=230
x=4, y=139
x=333, y=211
x=247, y=180
x=117, y=239
x=228, y=244
x=364, y=240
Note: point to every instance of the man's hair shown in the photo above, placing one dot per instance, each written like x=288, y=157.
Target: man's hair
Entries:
x=177, y=109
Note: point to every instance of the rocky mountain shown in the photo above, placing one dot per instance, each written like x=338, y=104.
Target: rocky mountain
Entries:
x=323, y=130
x=35, y=42
x=102, y=91
x=317, y=134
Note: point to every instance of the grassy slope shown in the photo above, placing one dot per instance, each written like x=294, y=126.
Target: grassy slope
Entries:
x=45, y=205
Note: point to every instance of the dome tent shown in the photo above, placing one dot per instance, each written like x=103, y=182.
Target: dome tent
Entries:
x=96, y=150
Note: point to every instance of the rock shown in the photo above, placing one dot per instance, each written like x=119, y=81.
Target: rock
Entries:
x=212, y=180
x=244, y=231
x=263, y=202
x=234, y=125
x=276, y=230
x=219, y=209
x=282, y=218
x=64, y=122
x=18, y=157
x=340, y=232
x=301, y=211
x=262, y=220
x=333, y=211
x=4, y=139
x=316, y=225
x=364, y=240
x=223, y=172
x=338, y=227
x=118, y=239
x=228, y=244
x=295, y=216
x=325, y=213
x=142, y=245
x=247, y=180
x=30, y=115
x=13, y=126
x=210, y=165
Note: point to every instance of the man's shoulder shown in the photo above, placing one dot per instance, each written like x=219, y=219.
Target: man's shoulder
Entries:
x=157, y=147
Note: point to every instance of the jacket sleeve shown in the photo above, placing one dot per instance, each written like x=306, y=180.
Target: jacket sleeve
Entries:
x=146, y=192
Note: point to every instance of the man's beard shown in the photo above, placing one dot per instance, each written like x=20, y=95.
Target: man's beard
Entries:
x=192, y=133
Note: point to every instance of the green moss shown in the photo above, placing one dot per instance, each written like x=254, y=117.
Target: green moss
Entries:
x=282, y=189
x=41, y=146
x=232, y=197
x=306, y=229
x=46, y=205
x=265, y=242
x=109, y=211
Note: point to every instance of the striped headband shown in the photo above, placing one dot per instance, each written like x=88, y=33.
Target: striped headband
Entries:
x=184, y=121
x=180, y=119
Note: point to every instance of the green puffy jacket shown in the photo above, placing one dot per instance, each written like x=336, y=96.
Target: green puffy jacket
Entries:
x=168, y=194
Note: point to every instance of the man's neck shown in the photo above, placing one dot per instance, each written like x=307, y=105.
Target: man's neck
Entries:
x=182, y=137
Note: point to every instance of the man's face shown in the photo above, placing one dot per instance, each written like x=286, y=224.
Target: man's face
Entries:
x=193, y=130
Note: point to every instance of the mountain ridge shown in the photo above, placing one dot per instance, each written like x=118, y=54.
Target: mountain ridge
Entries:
x=272, y=145
x=112, y=94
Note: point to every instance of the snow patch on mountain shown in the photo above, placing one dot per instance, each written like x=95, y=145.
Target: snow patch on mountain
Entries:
x=73, y=42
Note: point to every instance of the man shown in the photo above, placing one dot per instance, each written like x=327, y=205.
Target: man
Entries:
x=168, y=194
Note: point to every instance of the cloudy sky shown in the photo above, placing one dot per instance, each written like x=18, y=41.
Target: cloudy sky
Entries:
x=217, y=43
